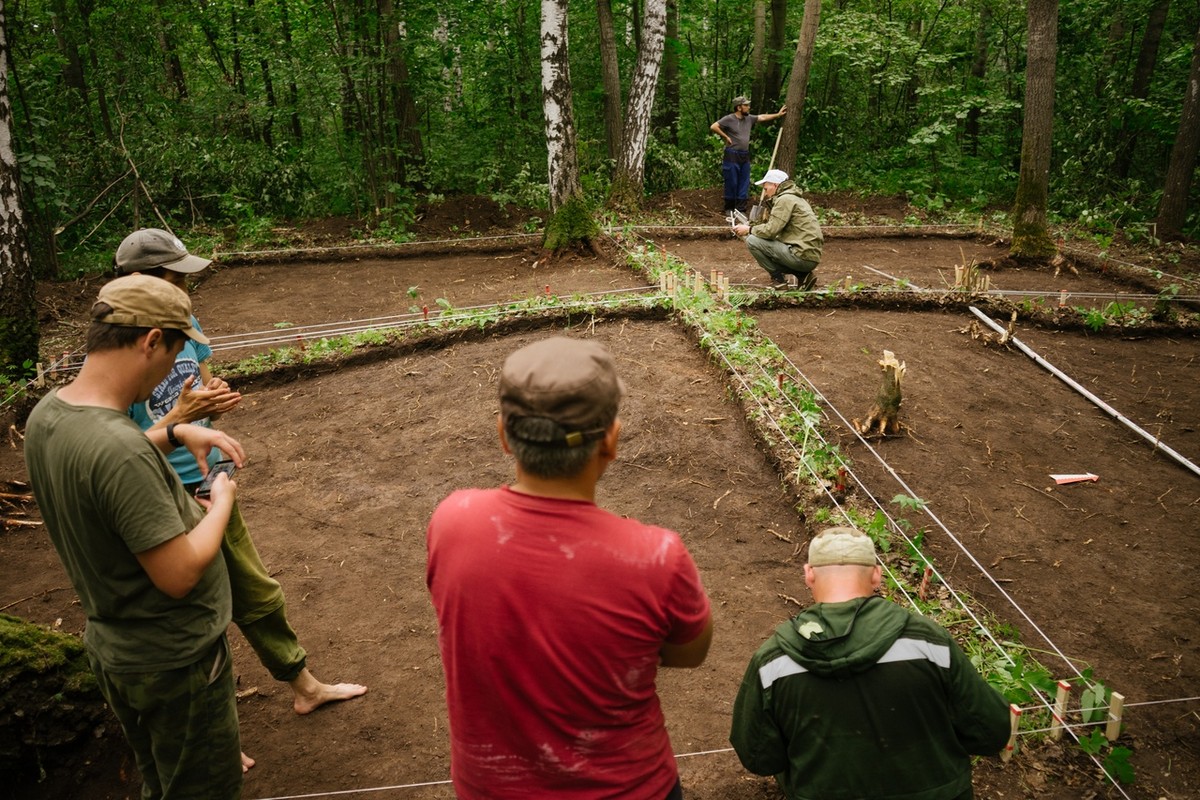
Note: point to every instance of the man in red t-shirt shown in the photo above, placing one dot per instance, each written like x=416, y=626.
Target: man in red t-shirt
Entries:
x=554, y=615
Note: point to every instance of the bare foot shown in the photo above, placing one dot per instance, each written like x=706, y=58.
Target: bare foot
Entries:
x=311, y=694
x=247, y=763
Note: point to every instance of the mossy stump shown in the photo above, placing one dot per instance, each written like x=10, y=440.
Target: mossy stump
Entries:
x=48, y=696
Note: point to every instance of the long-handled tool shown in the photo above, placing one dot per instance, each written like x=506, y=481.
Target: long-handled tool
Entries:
x=756, y=209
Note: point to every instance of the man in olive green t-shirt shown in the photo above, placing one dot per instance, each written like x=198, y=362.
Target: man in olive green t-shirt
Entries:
x=139, y=551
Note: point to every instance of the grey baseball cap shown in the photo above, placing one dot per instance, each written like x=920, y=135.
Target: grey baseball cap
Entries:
x=151, y=248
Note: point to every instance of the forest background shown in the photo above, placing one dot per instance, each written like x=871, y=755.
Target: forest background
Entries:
x=222, y=117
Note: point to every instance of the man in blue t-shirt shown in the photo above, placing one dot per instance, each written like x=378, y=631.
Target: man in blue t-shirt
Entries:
x=190, y=394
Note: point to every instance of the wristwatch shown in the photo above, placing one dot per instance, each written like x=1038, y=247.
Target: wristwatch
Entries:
x=171, y=440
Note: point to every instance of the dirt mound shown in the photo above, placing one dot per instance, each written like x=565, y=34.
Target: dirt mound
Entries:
x=472, y=214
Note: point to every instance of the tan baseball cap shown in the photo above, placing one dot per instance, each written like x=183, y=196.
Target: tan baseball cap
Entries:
x=834, y=546
x=151, y=248
x=143, y=301
x=571, y=382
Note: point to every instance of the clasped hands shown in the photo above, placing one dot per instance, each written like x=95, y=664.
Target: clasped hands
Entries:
x=210, y=400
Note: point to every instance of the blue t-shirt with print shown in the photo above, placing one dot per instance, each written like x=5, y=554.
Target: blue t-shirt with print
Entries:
x=164, y=397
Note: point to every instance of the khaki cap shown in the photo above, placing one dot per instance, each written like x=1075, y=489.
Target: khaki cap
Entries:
x=143, y=301
x=834, y=546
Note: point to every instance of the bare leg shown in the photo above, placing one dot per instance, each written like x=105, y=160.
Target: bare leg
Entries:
x=247, y=763
x=311, y=694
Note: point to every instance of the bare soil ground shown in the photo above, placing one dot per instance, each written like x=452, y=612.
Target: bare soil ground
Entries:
x=347, y=464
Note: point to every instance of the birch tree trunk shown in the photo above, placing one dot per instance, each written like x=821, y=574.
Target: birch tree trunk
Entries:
x=1172, y=211
x=18, y=316
x=789, y=142
x=569, y=223
x=627, y=184
x=1031, y=234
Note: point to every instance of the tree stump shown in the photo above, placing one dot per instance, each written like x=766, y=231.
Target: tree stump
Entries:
x=884, y=417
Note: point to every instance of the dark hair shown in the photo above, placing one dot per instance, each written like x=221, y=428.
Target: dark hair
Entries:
x=106, y=336
x=524, y=435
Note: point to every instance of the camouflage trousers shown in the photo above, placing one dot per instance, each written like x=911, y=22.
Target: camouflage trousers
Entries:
x=182, y=725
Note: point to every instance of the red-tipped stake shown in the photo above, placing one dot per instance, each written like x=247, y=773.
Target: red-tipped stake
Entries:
x=547, y=290
x=1060, y=710
x=1015, y=720
x=1062, y=298
x=923, y=591
x=779, y=381
x=300, y=342
x=425, y=311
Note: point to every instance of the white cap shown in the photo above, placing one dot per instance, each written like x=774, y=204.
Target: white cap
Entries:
x=772, y=176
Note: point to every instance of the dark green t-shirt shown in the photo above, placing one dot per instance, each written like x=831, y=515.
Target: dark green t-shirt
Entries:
x=106, y=493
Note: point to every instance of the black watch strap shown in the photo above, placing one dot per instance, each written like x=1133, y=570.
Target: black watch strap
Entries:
x=171, y=440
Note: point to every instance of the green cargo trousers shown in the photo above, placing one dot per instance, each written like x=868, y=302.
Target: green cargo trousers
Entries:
x=258, y=603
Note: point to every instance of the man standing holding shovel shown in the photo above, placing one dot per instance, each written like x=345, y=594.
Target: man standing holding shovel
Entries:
x=735, y=129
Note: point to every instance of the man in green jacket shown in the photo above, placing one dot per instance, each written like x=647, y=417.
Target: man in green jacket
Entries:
x=858, y=698
x=788, y=241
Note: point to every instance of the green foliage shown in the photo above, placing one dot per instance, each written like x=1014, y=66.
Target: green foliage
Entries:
x=892, y=107
x=670, y=167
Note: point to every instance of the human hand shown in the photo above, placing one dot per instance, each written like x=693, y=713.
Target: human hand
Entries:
x=223, y=490
x=200, y=441
x=741, y=230
x=209, y=400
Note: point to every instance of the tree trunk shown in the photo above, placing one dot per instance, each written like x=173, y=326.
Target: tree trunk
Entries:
x=758, y=56
x=666, y=110
x=776, y=42
x=268, y=132
x=610, y=71
x=978, y=72
x=1140, y=88
x=798, y=87
x=627, y=184
x=285, y=25
x=570, y=223
x=173, y=66
x=1031, y=234
x=18, y=309
x=404, y=135
x=1172, y=211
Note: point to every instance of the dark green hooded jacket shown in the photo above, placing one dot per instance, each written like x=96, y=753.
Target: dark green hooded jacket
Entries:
x=863, y=700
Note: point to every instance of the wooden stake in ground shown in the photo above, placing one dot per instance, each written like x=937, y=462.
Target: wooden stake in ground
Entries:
x=884, y=417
